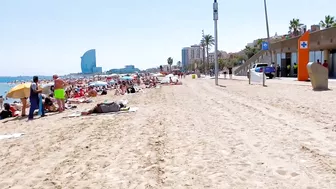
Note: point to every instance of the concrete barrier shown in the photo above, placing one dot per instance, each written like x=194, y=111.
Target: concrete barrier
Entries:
x=318, y=75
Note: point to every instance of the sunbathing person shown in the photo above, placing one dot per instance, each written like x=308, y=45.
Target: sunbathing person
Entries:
x=92, y=92
x=106, y=108
x=49, y=105
x=6, y=113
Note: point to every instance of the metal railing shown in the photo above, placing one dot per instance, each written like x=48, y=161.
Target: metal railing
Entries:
x=247, y=64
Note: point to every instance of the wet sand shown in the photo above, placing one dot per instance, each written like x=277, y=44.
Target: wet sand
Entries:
x=191, y=136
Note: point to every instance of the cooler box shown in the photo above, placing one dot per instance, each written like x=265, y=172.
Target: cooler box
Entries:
x=193, y=76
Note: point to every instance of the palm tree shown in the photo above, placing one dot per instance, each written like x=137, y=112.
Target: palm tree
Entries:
x=209, y=41
x=294, y=26
x=170, y=62
x=328, y=22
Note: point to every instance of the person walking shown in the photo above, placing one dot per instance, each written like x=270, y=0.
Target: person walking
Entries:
x=34, y=99
x=59, y=92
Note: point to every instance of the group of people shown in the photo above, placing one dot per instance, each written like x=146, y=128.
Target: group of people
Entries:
x=69, y=91
x=325, y=63
x=35, y=97
x=37, y=100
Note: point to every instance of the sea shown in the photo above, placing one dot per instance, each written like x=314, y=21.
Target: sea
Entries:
x=6, y=83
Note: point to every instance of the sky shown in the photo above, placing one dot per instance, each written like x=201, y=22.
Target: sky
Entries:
x=44, y=37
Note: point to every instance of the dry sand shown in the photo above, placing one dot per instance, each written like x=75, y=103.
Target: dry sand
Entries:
x=190, y=136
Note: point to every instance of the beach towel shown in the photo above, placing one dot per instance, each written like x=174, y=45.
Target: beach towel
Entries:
x=79, y=114
x=40, y=105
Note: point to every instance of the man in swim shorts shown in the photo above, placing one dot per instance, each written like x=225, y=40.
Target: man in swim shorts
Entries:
x=59, y=92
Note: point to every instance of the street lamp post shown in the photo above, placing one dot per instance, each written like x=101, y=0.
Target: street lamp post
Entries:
x=267, y=28
x=215, y=18
x=268, y=40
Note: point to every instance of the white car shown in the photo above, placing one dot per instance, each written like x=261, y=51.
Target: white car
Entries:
x=259, y=65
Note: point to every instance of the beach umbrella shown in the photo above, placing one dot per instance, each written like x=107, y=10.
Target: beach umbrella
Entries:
x=98, y=84
x=112, y=82
x=19, y=91
x=46, y=88
x=126, y=78
x=170, y=75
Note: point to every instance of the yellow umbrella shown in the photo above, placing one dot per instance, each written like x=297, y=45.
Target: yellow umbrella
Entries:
x=19, y=91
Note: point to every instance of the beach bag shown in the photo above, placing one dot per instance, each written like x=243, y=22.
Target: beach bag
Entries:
x=111, y=107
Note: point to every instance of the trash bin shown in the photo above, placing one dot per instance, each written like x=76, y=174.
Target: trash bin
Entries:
x=318, y=75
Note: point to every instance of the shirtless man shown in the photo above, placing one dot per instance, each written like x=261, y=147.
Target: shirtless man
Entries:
x=59, y=92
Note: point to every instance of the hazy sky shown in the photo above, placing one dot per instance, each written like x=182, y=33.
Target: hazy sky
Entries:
x=50, y=36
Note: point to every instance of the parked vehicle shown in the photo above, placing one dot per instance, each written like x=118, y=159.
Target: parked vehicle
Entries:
x=260, y=67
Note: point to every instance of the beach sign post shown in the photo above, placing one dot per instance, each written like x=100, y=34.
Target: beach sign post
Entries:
x=264, y=46
x=303, y=57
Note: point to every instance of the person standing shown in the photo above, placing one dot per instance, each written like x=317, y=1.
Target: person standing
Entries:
x=230, y=72
x=325, y=64
x=24, y=106
x=1, y=102
x=34, y=98
x=225, y=72
x=59, y=92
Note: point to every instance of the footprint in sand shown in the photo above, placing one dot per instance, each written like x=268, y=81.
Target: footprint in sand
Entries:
x=281, y=172
x=294, y=174
x=257, y=144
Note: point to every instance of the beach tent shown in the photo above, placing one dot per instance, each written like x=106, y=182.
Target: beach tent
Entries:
x=19, y=91
x=98, y=84
x=166, y=79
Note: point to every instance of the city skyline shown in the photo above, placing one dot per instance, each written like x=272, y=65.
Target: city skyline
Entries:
x=55, y=34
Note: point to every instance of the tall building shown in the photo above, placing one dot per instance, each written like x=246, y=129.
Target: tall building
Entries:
x=196, y=52
x=190, y=54
x=185, y=57
x=88, y=63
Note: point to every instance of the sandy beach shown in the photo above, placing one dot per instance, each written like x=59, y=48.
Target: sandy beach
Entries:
x=192, y=136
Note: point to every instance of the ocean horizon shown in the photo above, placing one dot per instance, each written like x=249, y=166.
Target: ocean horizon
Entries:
x=6, y=83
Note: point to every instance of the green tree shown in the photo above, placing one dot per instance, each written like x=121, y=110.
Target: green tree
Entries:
x=294, y=26
x=221, y=63
x=329, y=21
x=209, y=41
x=170, y=62
x=250, y=51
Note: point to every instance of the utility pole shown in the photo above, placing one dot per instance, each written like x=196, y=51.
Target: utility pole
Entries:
x=203, y=48
x=267, y=29
x=215, y=18
x=268, y=40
